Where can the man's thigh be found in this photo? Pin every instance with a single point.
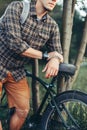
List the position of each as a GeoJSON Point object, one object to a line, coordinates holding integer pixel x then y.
{"type": "Point", "coordinates": [18, 93]}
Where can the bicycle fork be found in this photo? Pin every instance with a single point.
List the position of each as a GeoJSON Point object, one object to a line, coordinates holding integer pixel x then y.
{"type": "Point", "coordinates": [59, 109]}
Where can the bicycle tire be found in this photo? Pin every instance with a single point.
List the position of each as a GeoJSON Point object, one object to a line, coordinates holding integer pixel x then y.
{"type": "Point", "coordinates": [78, 109]}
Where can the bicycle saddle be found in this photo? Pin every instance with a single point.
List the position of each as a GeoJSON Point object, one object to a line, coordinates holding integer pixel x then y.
{"type": "Point", "coordinates": [66, 68]}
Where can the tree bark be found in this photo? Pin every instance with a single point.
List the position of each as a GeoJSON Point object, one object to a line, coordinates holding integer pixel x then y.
{"type": "Point", "coordinates": [35, 86]}
{"type": "Point", "coordinates": [81, 52]}
{"type": "Point", "coordinates": [68, 13]}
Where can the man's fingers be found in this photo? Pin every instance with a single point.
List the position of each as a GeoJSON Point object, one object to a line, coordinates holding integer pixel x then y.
{"type": "Point", "coordinates": [51, 68]}
{"type": "Point", "coordinates": [51, 73]}
{"type": "Point", "coordinates": [45, 68]}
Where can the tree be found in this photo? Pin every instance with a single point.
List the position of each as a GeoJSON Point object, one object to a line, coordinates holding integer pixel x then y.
{"type": "Point", "coordinates": [35, 86]}
{"type": "Point", "coordinates": [68, 16]}
{"type": "Point", "coordinates": [68, 13]}
{"type": "Point", "coordinates": [81, 51]}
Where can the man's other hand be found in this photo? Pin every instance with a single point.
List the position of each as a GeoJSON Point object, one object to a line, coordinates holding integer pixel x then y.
{"type": "Point", "coordinates": [51, 68]}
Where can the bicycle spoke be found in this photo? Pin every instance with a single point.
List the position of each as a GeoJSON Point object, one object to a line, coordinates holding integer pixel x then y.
{"type": "Point", "coordinates": [74, 114]}
{"type": "Point", "coordinates": [69, 113]}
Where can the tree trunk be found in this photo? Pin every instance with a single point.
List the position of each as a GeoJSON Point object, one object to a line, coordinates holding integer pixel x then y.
{"type": "Point", "coordinates": [81, 52]}
{"type": "Point", "coordinates": [35, 86]}
{"type": "Point", "coordinates": [68, 13]}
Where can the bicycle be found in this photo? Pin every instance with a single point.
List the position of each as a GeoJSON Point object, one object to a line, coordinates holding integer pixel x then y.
{"type": "Point", "coordinates": [64, 111]}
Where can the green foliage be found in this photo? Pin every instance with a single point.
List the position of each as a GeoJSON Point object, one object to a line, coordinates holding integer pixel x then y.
{"type": "Point", "coordinates": [79, 112]}
{"type": "Point", "coordinates": [81, 81]}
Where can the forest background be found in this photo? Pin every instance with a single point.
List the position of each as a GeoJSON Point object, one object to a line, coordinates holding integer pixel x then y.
{"type": "Point", "coordinates": [73, 31]}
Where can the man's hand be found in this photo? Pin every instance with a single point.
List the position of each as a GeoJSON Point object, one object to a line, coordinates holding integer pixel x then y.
{"type": "Point", "coordinates": [51, 68]}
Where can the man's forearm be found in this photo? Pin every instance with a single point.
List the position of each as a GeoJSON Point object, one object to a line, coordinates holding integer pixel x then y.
{"type": "Point", "coordinates": [32, 53]}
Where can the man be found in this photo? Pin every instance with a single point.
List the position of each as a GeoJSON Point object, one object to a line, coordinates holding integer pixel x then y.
{"type": "Point", "coordinates": [18, 44]}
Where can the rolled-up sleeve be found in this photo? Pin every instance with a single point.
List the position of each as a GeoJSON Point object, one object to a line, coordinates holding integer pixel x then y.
{"type": "Point", "coordinates": [54, 43]}
{"type": "Point", "coordinates": [12, 25]}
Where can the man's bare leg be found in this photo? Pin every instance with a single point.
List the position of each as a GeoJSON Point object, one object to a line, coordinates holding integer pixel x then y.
{"type": "Point", "coordinates": [0, 126]}
{"type": "Point", "coordinates": [17, 120]}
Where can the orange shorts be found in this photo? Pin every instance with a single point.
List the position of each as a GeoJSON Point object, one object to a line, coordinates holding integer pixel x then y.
{"type": "Point", "coordinates": [18, 93]}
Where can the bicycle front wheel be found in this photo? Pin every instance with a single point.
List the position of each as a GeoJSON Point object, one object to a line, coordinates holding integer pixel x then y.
{"type": "Point", "coordinates": [72, 106]}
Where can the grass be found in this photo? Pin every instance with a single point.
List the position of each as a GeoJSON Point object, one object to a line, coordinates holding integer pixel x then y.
{"type": "Point", "coordinates": [81, 81]}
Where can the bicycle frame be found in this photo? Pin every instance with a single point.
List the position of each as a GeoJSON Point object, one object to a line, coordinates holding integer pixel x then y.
{"type": "Point", "coordinates": [51, 92]}
{"type": "Point", "coordinates": [48, 88]}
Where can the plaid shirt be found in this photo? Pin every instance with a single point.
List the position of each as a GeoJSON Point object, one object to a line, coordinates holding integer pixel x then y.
{"type": "Point", "coordinates": [16, 38]}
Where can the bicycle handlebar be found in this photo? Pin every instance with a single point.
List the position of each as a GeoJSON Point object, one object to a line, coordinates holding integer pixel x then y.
{"type": "Point", "coordinates": [64, 68]}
